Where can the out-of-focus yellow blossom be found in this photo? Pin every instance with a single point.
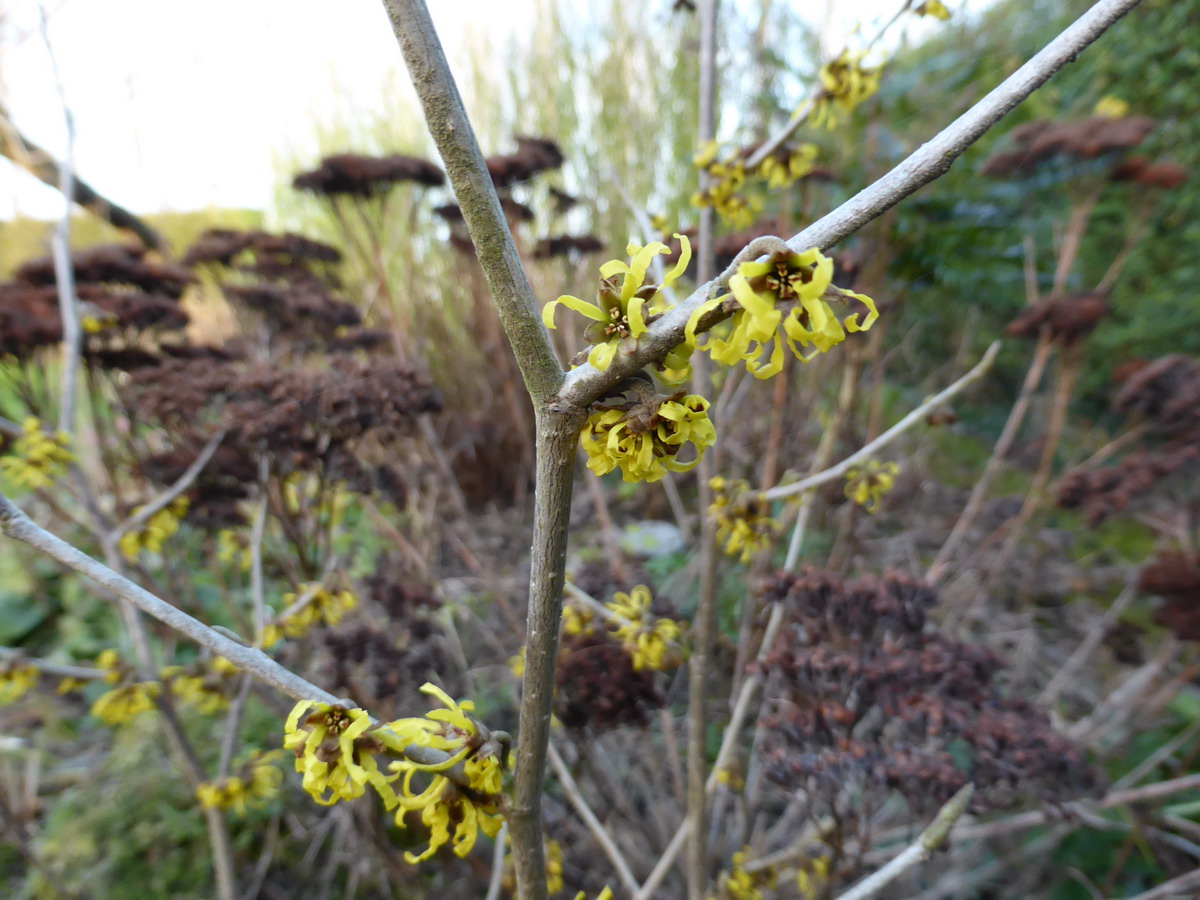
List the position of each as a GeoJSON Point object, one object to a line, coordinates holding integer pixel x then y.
{"type": "Point", "coordinates": [725, 189]}
{"type": "Point", "coordinates": [652, 643]}
{"type": "Point", "coordinates": [304, 492]}
{"type": "Point", "coordinates": [739, 884]}
{"type": "Point", "coordinates": [577, 619]}
{"type": "Point", "coordinates": [788, 164]}
{"type": "Point", "coordinates": [554, 867]}
{"type": "Point", "coordinates": [933, 8]}
{"type": "Point", "coordinates": [732, 778]}
{"type": "Point", "coordinates": [605, 894]}
{"type": "Point", "coordinates": [644, 439]}
{"type": "Point", "coordinates": [335, 749]}
{"type": "Point", "coordinates": [621, 310]}
{"type": "Point", "coordinates": [784, 299]}
{"type": "Point", "coordinates": [130, 698]}
{"type": "Point", "coordinates": [69, 684]}
{"type": "Point", "coordinates": [207, 686]}
{"type": "Point", "coordinates": [17, 678]}
{"type": "Point", "coordinates": [37, 458]}
{"type": "Point", "coordinates": [516, 664]}
{"type": "Point", "coordinates": [743, 518]}
{"type": "Point", "coordinates": [156, 531]}
{"type": "Point", "coordinates": [1112, 108]}
{"type": "Point", "coordinates": [812, 877]}
{"type": "Point", "coordinates": [321, 606]}
{"type": "Point", "coordinates": [444, 805]}
{"type": "Point", "coordinates": [845, 83]}
{"type": "Point", "coordinates": [234, 547]}
{"type": "Point", "coordinates": [869, 483]}
{"type": "Point", "coordinates": [258, 780]}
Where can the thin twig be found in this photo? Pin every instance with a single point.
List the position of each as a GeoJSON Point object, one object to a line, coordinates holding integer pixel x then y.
{"type": "Point", "coordinates": [913, 418]}
{"type": "Point", "coordinates": [607, 844]}
{"type": "Point", "coordinates": [919, 851]}
{"type": "Point", "coordinates": [496, 882]}
{"type": "Point", "coordinates": [585, 383]}
{"type": "Point", "coordinates": [60, 670]}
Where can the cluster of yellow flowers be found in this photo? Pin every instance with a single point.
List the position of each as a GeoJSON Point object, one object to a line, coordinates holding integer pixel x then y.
{"type": "Point", "coordinates": [37, 458]}
{"type": "Point", "coordinates": [1110, 107]}
{"type": "Point", "coordinates": [234, 548]}
{"type": "Point", "coordinates": [652, 643]}
{"type": "Point", "coordinates": [336, 746]}
{"type": "Point", "coordinates": [744, 522]}
{"type": "Point", "coordinates": [724, 193]}
{"type": "Point", "coordinates": [156, 531]}
{"type": "Point", "coordinates": [935, 9]}
{"type": "Point", "coordinates": [309, 606]}
{"type": "Point", "coordinates": [812, 876]}
{"type": "Point", "coordinates": [845, 84]}
{"type": "Point", "coordinates": [129, 698]}
{"type": "Point", "coordinates": [605, 894]}
{"type": "Point", "coordinates": [207, 686]}
{"type": "Point", "coordinates": [644, 438]}
{"type": "Point", "coordinates": [623, 310]}
{"type": "Point", "coordinates": [788, 164]}
{"type": "Point", "coordinates": [784, 299]}
{"type": "Point", "coordinates": [17, 678]}
{"type": "Point", "coordinates": [869, 483]}
{"type": "Point", "coordinates": [738, 884]}
{"type": "Point", "coordinates": [257, 781]}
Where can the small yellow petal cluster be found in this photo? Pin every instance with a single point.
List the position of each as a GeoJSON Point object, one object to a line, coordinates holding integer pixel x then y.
{"type": "Point", "coordinates": [812, 877]}
{"type": "Point", "coordinates": [257, 781]}
{"type": "Point", "coordinates": [625, 304]}
{"type": "Point", "coordinates": [652, 643]}
{"type": "Point", "coordinates": [129, 698]}
{"type": "Point", "coordinates": [935, 9]}
{"type": "Point", "coordinates": [1112, 108]}
{"type": "Point", "coordinates": [335, 749]}
{"type": "Point", "coordinates": [206, 686]}
{"type": "Point", "coordinates": [788, 164]}
{"type": "Point", "coordinates": [781, 300]}
{"type": "Point", "coordinates": [845, 83]}
{"type": "Point", "coordinates": [644, 438]}
{"type": "Point", "coordinates": [739, 884]}
{"type": "Point", "coordinates": [744, 522]}
{"type": "Point", "coordinates": [605, 894]}
{"type": "Point", "coordinates": [309, 606]}
{"type": "Point", "coordinates": [725, 190]}
{"type": "Point", "coordinates": [869, 483]}
{"type": "Point", "coordinates": [37, 458]}
{"type": "Point", "coordinates": [554, 870]}
{"type": "Point", "coordinates": [577, 619]}
{"type": "Point", "coordinates": [233, 548]}
{"type": "Point", "coordinates": [161, 526]}
{"type": "Point", "coordinates": [17, 678]}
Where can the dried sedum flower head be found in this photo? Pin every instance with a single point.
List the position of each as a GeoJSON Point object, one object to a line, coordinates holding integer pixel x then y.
{"type": "Point", "coordinates": [37, 458]}
{"type": "Point", "coordinates": [643, 438]}
{"type": "Point", "coordinates": [869, 483]}
{"type": "Point", "coordinates": [783, 299]}
{"type": "Point", "coordinates": [845, 84]}
{"type": "Point", "coordinates": [257, 781]}
{"type": "Point", "coordinates": [652, 643]}
{"type": "Point", "coordinates": [744, 522]}
{"type": "Point", "coordinates": [623, 309]}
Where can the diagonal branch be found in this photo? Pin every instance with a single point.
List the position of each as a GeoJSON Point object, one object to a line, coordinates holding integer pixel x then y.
{"type": "Point", "coordinates": [456, 143]}
{"type": "Point", "coordinates": [586, 383]}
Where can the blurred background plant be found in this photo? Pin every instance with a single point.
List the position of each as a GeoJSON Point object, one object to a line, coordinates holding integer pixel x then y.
{"type": "Point", "coordinates": [361, 509]}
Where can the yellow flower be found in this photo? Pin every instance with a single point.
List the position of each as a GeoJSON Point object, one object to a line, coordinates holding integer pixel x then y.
{"type": "Point", "coordinates": [69, 684]}
{"type": "Point", "coordinates": [516, 664]}
{"type": "Point", "coordinates": [554, 867]}
{"type": "Point", "coordinates": [1112, 108]}
{"type": "Point", "coordinates": [867, 485]}
{"type": "Point", "coordinates": [743, 519]}
{"type": "Point", "coordinates": [257, 781]}
{"type": "Point", "coordinates": [123, 703]}
{"type": "Point", "coordinates": [800, 283]}
{"type": "Point", "coordinates": [812, 876]}
{"type": "Point", "coordinates": [443, 804]}
{"type": "Point", "coordinates": [605, 894]}
{"type": "Point", "coordinates": [577, 620]}
{"type": "Point", "coordinates": [320, 606]}
{"type": "Point", "coordinates": [652, 643]}
{"type": "Point", "coordinates": [933, 8]}
{"type": "Point", "coordinates": [788, 164]}
{"type": "Point", "coordinates": [335, 749]}
{"type": "Point", "coordinates": [16, 679]}
{"type": "Point", "coordinates": [724, 192]}
{"type": "Point", "coordinates": [845, 83]}
{"type": "Point", "coordinates": [739, 884]}
{"type": "Point", "coordinates": [621, 308]}
{"type": "Point", "coordinates": [37, 458]}
{"type": "Point", "coordinates": [155, 532]}
{"type": "Point", "coordinates": [234, 547]}
{"type": "Point", "coordinates": [644, 438]}
{"type": "Point", "coordinates": [207, 686]}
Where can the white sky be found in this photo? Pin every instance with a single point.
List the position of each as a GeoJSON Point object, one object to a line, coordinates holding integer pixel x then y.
{"type": "Point", "coordinates": [182, 106]}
